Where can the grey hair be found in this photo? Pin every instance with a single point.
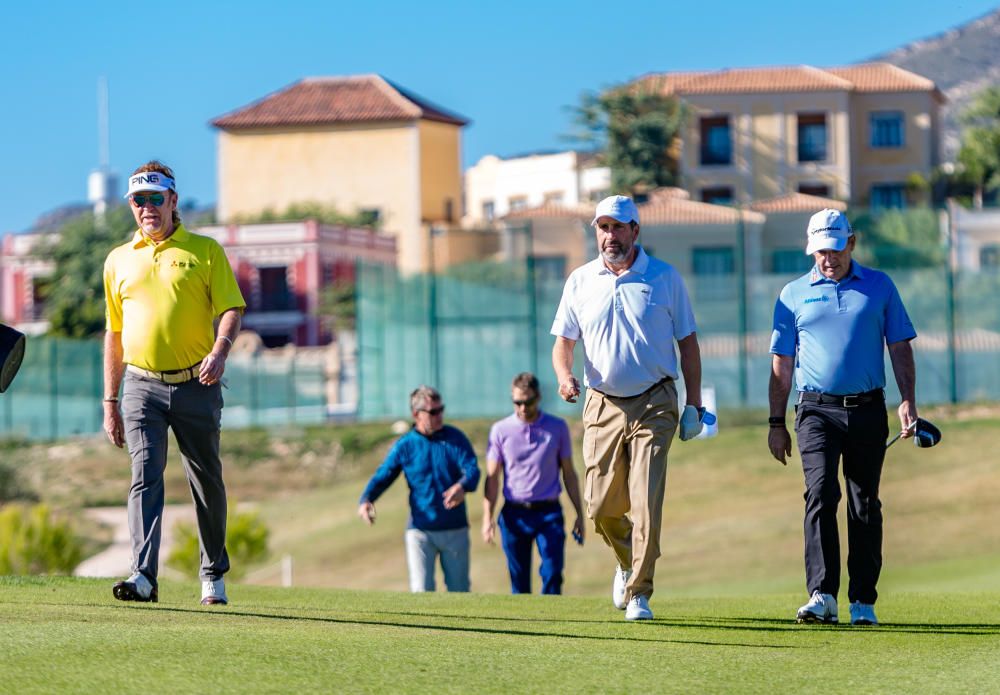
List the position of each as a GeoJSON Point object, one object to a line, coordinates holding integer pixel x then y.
{"type": "Point", "coordinates": [422, 395]}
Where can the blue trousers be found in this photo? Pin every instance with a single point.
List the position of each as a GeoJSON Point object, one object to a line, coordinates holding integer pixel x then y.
{"type": "Point", "coordinates": [519, 529]}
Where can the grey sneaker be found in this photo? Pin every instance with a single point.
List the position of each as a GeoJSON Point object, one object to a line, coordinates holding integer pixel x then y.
{"type": "Point", "coordinates": [618, 587]}
{"type": "Point", "coordinates": [638, 609]}
{"type": "Point", "coordinates": [863, 614]}
{"type": "Point", "coordinates": [136, 588]}
{"type": "Point", "coordinates": [213, 593]}
{"type": "Point", "coordinates": [821, 608]}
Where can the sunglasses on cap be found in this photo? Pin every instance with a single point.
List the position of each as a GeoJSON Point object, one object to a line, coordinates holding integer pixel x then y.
{"type": "Point", "coordinates": [527, 401]}
{"type": "Point", "coordinates": [139, 200]}
{"type": "Point", "coordinates": [432, 411]}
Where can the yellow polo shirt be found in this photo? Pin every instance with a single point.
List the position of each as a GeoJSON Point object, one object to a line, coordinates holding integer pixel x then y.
{"type": "Point", "coordinates": [163, 297]}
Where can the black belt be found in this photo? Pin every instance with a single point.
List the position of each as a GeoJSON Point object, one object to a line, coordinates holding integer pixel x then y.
{"type": "Point", "coordinates": [540, 506]}
{"type": "Point", "coordinates": [851, 400]}
{"type": "Point", "coordinates": [661, 382]}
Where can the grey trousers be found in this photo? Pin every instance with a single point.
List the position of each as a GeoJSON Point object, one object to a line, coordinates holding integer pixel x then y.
{"type": "Point", "coordinates": [194, 412]}
{"type": "Point", "coordinates": [424, 547]}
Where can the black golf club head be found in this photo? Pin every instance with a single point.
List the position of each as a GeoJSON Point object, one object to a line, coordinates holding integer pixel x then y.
{"type": "Point", "coordinates": [926, 435]}
{"type": "Point", "coordinates": [11, 354]}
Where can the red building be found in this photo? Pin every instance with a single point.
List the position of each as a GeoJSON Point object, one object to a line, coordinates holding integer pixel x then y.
{"type": "Point", "coordinates": [282, 269]}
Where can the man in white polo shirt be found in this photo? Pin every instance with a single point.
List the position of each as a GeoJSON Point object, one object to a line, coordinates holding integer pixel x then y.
{"type": "Point", "coordinates": [628, 308]}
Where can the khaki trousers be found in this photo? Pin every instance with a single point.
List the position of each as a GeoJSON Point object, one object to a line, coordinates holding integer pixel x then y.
{"type": "Point", "coordinates": [625, 445]}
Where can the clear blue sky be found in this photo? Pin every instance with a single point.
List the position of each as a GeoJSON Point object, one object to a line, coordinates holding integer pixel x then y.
{"type": "Point", "coordinates": [511, 67]}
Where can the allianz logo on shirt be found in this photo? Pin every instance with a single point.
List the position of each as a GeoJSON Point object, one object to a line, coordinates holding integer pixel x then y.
{"type": "Point", "coordinates": [822, 298]}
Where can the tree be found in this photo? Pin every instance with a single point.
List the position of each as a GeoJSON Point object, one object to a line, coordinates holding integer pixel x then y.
{"type": "Point", "coordinates": [246, 543]}
{"type": "Point", "coordinates": [638, 131]}
{"type": "Point", "coordinates": [338, 305]}
{"type": "Point", "coordinates": [312, 210]}
{"type": "Point", "coordinates": [979, 155]}
{"type": "Point", "coordinates": [74, 293]}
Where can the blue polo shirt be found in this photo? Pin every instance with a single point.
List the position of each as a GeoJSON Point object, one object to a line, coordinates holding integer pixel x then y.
{"type": "Point", "coordinates": [837, 331]}
{"type": "Point", "coordinates": [431, 465]}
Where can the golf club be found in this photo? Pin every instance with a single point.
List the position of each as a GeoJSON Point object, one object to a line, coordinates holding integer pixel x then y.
{"type": "Point", "coordinates": [925, 436]}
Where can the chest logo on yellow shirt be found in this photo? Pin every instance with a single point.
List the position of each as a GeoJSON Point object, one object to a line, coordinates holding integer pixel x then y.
{"type": "Point", "coordinates": [182, 264]}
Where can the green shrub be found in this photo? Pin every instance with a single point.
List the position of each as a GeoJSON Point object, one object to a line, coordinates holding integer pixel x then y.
{"type": "Point", "coordinates": [32, 541]}
{"type": "Point", "coordinates": [246, 541]}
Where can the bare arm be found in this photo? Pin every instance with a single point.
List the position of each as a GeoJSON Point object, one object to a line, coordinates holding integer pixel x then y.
{"type": "Point", "coordinates": [901, 355]}
{"type": "Point", "coordinates": [562, 363]}
{"type": "Point", "coordinates": [114, 366]}
{"type": "Point", "coordinates": [690, 353]}
{"type": "Point", "coordinates": [491, 488]}
{"type": "Point", "coordinates": [779, 441]}
{"type": "Point", "coordinates": [572, 484]}
{"type": "Point", "coordinates": [214, 364]}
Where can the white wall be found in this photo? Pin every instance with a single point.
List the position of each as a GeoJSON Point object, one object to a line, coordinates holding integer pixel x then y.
{"type": "Point", "coordinates": [531, 179]}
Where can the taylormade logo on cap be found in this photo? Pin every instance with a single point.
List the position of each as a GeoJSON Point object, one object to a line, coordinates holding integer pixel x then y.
{"type": "Point", "coordinates": [828, 230]}
{"type": "Point", "coordinates": [619, 207]}
{"type": "Point", "coordinates": [149, 181]}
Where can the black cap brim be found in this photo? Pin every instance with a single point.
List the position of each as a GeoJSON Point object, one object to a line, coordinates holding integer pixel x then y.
{"type": "Point", "coordinates": [11, 354]}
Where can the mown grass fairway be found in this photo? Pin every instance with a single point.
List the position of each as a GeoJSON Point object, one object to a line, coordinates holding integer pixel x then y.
{"type": "Point", "coordinates": [69, 636]}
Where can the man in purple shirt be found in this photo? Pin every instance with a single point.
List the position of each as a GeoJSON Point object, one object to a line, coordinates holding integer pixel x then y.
{"type": "Point", "coordinates": [531, 448]}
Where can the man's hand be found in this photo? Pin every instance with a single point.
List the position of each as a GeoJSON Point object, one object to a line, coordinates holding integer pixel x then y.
{"type": "Point", "coordinates": [366, 510]}
{"type": "Point", "coordinates": [691, 422]}
{"type": "Point", "coordinates": [907, 418]}
{"type": "Point", "coordinates": [578, 532]}
{"type": "Point", "coordinates": [779, 441]}
{"type": "Point", "coordinates": [569, 389]}
{"type": "Point", "coordinates": [212, 368]}
{"type": "Point", "coordinates": [453, 496]}
{"type": "Point", "coordinates": [113, 425]}
{"type": "Point", "coordinates": [489, 530]}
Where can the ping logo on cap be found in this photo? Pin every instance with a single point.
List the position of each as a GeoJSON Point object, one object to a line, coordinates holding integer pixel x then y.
{"type": "Point", "coordinates": [149, 177]}
{"type": "Point", "coordinates": [149, 181]}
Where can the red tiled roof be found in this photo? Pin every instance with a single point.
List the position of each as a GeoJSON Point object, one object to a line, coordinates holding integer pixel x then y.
{"type": "Point", "coordinates": [795, 202]}
{"type": "Point", "coordinates": [671, 211]}
{"type": "Point", "coordinates": [883, 77]}
{"type": "Point", "coordinates": [553, 210]}
{"type": "Point", "coordinates": [327, 100]}
{"type": "Point", "coordinates": [867, 77]}
{"type": "Point", "coordinates": [666, 206]}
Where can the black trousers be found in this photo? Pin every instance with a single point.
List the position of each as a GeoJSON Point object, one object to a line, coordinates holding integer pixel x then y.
{"type": "Point", "coordinates": [827, 434]}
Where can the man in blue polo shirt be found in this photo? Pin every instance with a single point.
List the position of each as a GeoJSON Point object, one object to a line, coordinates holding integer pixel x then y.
{"type": "Point", "coordinates": [531, 448]}
{"type": "Point", "coordinates": [440, 467]}
{"type": "Point", "coordinates": [831, 327]}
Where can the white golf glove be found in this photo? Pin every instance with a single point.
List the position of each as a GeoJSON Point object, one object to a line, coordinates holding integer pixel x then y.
{"type": "Point", "coordinates": [691, 422]}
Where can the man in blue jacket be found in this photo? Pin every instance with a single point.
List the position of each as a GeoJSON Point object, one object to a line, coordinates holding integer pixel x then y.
{"type": "Point", "coordinates": [440, 467]}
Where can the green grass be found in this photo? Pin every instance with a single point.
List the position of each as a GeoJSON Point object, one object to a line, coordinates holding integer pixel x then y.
{"type": "Point", "coordinates": [732, 524]}
{"type": "Point", "coordinates": [70, 636]}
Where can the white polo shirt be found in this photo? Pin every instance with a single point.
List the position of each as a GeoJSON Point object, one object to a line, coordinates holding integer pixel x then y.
{"type": "Point", "coordinates": [628, 323]}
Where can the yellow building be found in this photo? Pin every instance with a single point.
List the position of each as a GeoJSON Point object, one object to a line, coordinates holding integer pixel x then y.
{"type": "Point", "coordinates": [359, 144]}
{"type": "Point", "coordinates": [853, 133]}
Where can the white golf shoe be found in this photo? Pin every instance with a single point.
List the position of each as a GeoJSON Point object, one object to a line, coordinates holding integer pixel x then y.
{"type": "Point", "coordinates": [618, 587]}
{"type": "Point", "coordinates": [638, 609]}
{"type": "Point", "coordinates": [863, 614]}
{"type": "Point", "coordinates": [821, 608]}
{"type": "Point", "coordinates": [213, 593]}
{"type": "Point", "coordinates": [136, 588]}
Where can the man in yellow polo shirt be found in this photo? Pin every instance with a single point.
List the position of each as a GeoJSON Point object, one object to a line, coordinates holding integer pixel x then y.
{"type": "Point", "coordinates": [163, 290]}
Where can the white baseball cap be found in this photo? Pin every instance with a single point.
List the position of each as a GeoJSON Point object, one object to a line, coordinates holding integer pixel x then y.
{"type": "Point", "coordinates": [149, 181]}
{"type": "Point", "coordinates": [619, 207]}
{"type": "Point", "coordinates": [828, 230]}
